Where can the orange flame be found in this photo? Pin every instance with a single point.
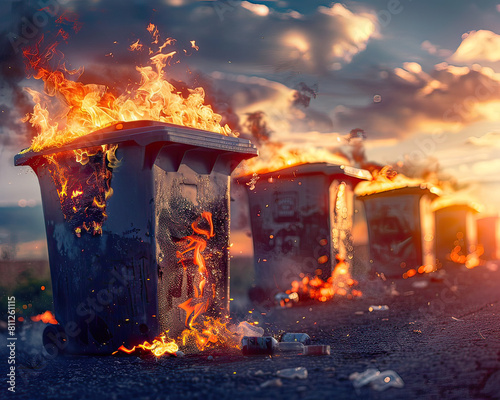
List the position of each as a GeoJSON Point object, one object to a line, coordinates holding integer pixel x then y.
{"type": "Point", "coordinates": [340, 283]}
{"type": "Point", "coordinates": [275, 156]}
{"type": "Point", "coordinates": [160, 346]}
{"type": "Point", "coordinates": [388, 179]}
{"type": "Point", "coordinates": [68, 109]}
{"type": "Point", "coordinates": [197, 245]}
{"type": "Point", "coordinates": [47, 318]}
{"type": "Point", "coordinates": [210, 332]}
{"type": "Point", "coordinates": [136, 46]}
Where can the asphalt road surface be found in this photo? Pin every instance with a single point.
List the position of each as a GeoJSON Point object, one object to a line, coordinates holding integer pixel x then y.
{"type": "Point", "coordinates": [441, 336]}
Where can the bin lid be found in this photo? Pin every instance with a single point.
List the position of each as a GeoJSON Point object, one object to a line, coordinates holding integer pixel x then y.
{"type": "Point", "coordinates": [447, 205]}
{"type": "Point", "coordinates": [144, 133]}
{"type": "Point", "coordinates": [314, 169]}
{"type": "Point", "coordinates": [401, 191]}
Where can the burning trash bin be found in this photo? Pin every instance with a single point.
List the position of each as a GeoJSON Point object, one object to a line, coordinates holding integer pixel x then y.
{"type": "Point", "coordinates": [137, 223]}
{"type": "Point", "coordinates": [301, 219]}
{"type": "Point", "coordinates": [401, 230]}
{"type": "Point", "coordinates": [456, 233]}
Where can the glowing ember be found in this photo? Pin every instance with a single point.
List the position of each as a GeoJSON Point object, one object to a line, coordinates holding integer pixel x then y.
{"type": "Point", "coordinates": [340, 283]}
{"type": "Point", "coordinates": [68, 109]}
{"type": "Point", "coordinates": [47, 318]}
{"type": "Point", "coordinates": [460, 255]}
{"type": "Point", "coordinates": [423, 269]}
{"type": "Point", "coordinates": [388, 179]}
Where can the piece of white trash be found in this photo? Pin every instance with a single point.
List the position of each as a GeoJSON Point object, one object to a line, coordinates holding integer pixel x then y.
{"type": "Point", "coordinates": [293, 373]}
{"type": "Point", "coordinates": [387, 379]}
{"type": "Point", "coordinates": [362, 378]}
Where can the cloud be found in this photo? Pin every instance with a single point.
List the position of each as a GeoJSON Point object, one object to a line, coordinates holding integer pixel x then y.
{"type": "Point", "coordinates": [413, 100]}
{"type": "Point", "coordinates": [482, 45]}
{"type": "Point", "coordinates": [285, 115]}
{"type": "Point", "coordinates": [317, 42]}
{"type": "Point", "coordinates": [258, 9]}
{"type": "Point", "coordinates": [434, 49]}
{"type": "Point", "coordinates": [491, 139]}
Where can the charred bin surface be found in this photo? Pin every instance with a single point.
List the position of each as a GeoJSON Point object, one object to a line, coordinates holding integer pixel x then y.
{"type": "Point", "coordinates": [401, 230]}
{"type": "Point", "coordinates": [118, 212]}
{"type": "Point", "coordinates": [301, 219]}
{"type": "Point", "coordinates": [456, 231]}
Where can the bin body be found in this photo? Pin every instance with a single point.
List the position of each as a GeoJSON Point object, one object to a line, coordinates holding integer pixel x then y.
{"type": "Point", "coordinates": [488, 236]}
{"type": "Point", "coordinates": [123, 286]}
{"type": "Point", "coordinates": [401, 230]}
{"type": "Point", "coordinates": [455, 226]}
{"type": "Point", "coordinates": [301, 219]}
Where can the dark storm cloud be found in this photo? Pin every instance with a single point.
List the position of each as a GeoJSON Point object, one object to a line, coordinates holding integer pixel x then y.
{"type": "Point", "coordinates": [316, 42]}
{"type": "Point", "coordinates": [22, 25]}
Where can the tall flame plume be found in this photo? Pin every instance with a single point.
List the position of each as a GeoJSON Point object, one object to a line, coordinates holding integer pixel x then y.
{"type": "Point", "coordinates": [68, 109]}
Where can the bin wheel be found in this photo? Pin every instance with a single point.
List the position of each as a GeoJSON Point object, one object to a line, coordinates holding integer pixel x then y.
{"type": "Point", "coordinates": [55, 340]}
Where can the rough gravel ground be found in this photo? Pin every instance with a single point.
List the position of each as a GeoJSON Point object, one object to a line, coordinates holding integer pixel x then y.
{"type": "Point", "coordinates": [443, 340]}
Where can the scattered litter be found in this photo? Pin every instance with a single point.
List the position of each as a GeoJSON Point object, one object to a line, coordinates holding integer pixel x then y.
{"type": "Point", "coordinates": [317, 350]}
{"type": "Point", "coordinates": [387, 379]}
{"type": "Point", "coordinates": [456, 319]}
{"type": "Point", "coordinates": [246, 329]}
{"type": "Point", "coordinates": [359, 313]}
{"type": "Point", "coordinates": [291, 347]}
{"type": "Point", "coordinates": [259, 373]}
{"type": "Point", "coordinates": [420, 284]}
{"type": "Point", "coordinates": [251, 345]}
{"type": "Point", "coordinates": [360, 379]}
{"type": "Point", "coordinates": [378, 380]}
{"type": "Point", "coordinates": [272, 383]}
{"type": "Point", "coordinates": [303, 338]}
{"type": "Point", "coordinates": [293, 373]}
{"type": "Point", "coordinates": [286, 300]}
{"type": "Point", "coordinates": [409, 293]}
{"type": "Point", "coordinates": [378, 308]}
{"type": "Point", "coordinates": [179, 353]}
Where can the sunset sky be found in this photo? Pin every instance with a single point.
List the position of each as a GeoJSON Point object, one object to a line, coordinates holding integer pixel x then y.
{"type": "Point", "coordinates": [421, 78]}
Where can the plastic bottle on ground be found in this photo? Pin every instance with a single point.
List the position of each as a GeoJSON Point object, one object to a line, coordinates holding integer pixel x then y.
{"type": "Point", "coordinates": [264, 345]}
{"type": "Point", "coordinates": [317, 350]}
{"type": "Point", "coordinates": [291, 347]}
